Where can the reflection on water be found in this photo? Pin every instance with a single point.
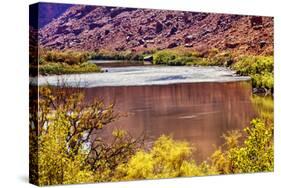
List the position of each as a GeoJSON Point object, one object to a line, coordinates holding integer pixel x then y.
{"type": "Point", "coordinates": [196, 112]}
{"type": "Point", "coordinates": [264, 106]}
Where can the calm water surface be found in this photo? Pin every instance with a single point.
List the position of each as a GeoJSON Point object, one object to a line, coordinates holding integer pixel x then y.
{"type": "Point", "coordinates": [196, 112]}
{"type": "Point", "coordinates": [195, 104]}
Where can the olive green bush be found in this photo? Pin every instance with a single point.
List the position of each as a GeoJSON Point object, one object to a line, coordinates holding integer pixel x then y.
{"type": "Point", "coordinates": [259, 68]}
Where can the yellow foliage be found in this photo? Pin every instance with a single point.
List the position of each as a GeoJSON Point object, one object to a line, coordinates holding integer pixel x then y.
{"type": "Point", "coordinates": [57, 162]}
{"type": "Point", "coordinates": [166, 159]}
{"type": "Point", "coordinates": [255, 154]}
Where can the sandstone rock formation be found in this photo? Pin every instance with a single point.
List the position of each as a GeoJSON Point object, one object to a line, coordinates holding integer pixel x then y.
{"type": "Point", "coordinates": [117, 29]}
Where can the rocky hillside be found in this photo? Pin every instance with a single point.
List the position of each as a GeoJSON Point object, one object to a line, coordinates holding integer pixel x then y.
{"type": "Point", "coordinates": [46, 12]}
{"type": "Point", "coordinates": [119, 29]}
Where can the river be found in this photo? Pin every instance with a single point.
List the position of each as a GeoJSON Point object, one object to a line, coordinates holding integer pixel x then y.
{"type": "Point", "coordinates": [195, 104]}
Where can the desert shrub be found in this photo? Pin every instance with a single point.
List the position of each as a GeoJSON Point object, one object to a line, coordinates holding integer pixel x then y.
{"type": "Point", "coordinates": [183, 57]}
{"type": "Point", "coordinates": [250, 65]}
{"type": "Point", "coordinates": [220, 59]}
{"type": "Point", "coordinates": [57, 161]}
{"type": "Point", "coordinates": [213, 52]}
{"type": "Point", "coordinates": [259, 68]}
{"type": "Point", "coordinates": [68, 57]}
{"type": "Point", "coordinates": [164, 57]}
{"type": "Point", "coordinates": [219, 159]}
{"type": "Point", "coordinates": [64, 62]}
{"type": "Point", "coordinates": [167, 158]}
{"type": "Point", "coordinates": [173, 57]}
{"type": "Point", "coordinates": [255, 154]}
{"type": "Point", "coordinates": [62, 68]}
{"type": "Point", "coordinates": [264, 80]}
{"type": "Point", "coordinates": [108, 55]}
{"type": "Point", "coordinates": [220, 162]}
{"type": "Point", "coordinates": [66, 144]}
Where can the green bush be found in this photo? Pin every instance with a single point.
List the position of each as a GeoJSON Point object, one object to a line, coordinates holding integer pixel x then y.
{"type": "Point", "coordinates": [64, 62]}
{"type": "Point", "coordinates": [250, 65]}
{"type": "Point", "coordinates": [183, 57]}
{"type": "Point", "coordinates": [172, 57]}
{"type": "Point", "coordinates": [63, 68]}
{"type": "Point", "coordinates": [220, 59]}
{"type": "Point", "coordinates": [264, 80]}
{"type": "Point", "coordinates": [164, 57]}
{"type": "Point", "coordinates": [68, 57]}
{"type": "Point", "coordinates": [259, 68]}
{"type": "Point", "coordinates": [107, 55]}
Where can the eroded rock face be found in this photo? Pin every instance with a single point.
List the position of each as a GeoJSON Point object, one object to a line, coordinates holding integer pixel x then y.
{"type": "Point", "coordinates": [256, 21]}
{"type": "Point", "coordinates": [188, 45]}
{"type": "Point", "coordinates": [47, 12]}
{"type": "Point", "coordinates": [231, 44]}
{"type": "Point", "coordinates": [173, 31]}
{"type": "Point", "coordinates": [117, 29]}
{"type": "Point", "coordinates": [172, 45]}
{"type": "Point", "coordinates": [158, 27]}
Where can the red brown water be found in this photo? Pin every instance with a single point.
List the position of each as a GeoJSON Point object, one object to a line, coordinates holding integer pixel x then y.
{"type": "Point", "coordinates": [199, 113]}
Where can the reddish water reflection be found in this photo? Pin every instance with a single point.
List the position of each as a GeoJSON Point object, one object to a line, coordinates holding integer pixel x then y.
{"type": "Point", "coordinates": [196, 112]}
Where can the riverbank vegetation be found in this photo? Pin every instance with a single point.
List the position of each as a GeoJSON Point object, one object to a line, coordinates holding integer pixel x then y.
{"type": "Point", "coordinates": [66, 147]}
{"type": "Point", "coordinates": [64, 68]}
{"type": "Point", "coordinates": [54, 62]}
{"type": "Point", "coordinates": [65, 62]}
{"type": "Point", "coordinates": [184, 57]}
{"type": "Point", "coordinates": [259, 68]}
{"type": "Point", "coordinates": [122, 55]}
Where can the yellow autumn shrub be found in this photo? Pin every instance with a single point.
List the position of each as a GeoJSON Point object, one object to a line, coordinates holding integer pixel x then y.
{"type": "Point", "coordinates": [166, 159]}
